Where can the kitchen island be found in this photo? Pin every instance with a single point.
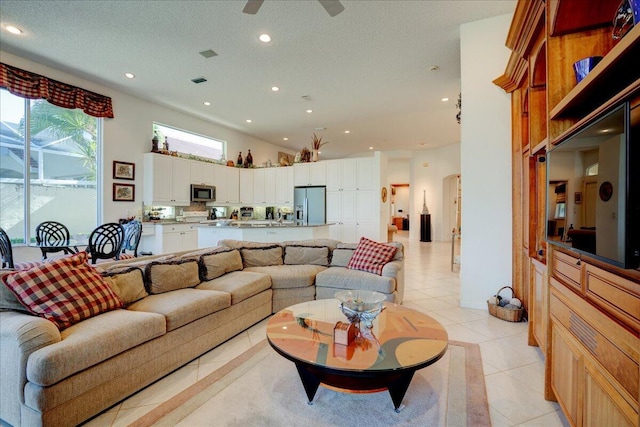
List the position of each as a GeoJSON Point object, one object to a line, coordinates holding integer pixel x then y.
{"type": "Point", "coordinates": [264, 232]}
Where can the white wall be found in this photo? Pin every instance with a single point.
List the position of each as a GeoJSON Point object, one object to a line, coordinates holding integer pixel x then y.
{"type": "Point", "coordinates": [442, 162]}
{"type": "Point", "coordinates": [486, 254]}
{"type": "Point", "coordinates": [128, 136]}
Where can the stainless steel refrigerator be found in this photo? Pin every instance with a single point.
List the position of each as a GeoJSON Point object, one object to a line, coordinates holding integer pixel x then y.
{"type": "Point", "coordinates": [310, 205]}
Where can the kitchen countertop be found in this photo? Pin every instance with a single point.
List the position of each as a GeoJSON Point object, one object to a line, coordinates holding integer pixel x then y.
{"type": "Point", "coordinates": [260, 224]}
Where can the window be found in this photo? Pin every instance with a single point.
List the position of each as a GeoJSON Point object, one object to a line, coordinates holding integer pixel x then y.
{"type": "Point", "coordinates": [560, 210]}
{"type": "Point", "coordinates": [592, 170]}
{"type": "Point", "coordinates": [193, 145]}
{"type": "Point", "coordinates": [53, 176]}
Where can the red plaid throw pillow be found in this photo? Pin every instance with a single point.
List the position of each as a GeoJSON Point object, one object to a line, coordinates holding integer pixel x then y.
{"type": "Point", "coordinates": [371, 256]}
{"type": "Point", "coordinates": [64, 291]}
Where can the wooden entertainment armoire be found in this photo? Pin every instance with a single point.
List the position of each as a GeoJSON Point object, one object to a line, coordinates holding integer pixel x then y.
{"type": "Point", "coordinates": [584, 314]}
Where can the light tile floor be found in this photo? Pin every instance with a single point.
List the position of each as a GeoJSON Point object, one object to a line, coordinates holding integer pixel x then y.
{"type": "Point", "coordinates": [514, 372]}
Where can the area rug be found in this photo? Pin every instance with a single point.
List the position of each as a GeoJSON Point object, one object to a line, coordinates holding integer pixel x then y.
{"type": "Point", "coordinates": [261, 388]}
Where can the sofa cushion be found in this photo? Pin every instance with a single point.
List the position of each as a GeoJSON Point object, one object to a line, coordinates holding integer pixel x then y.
{"type": "Point", "coordinates": [340, 257]}
{"type": "Point", "coordinates": [240, 284]}
{"type": "Point", "coordinates": [371, 256]}
{"type": "Point", "coordinates": [183, 305]}
{"type": "Point", "coordinates": [165, 276]}
{"type": "Point", "coordinates": [8, 300]}
{"type": "Point", "coordinates": [128, 284]}
{"type": "Point", "coordinates": [289, 276]}
{"type": "Point", "coordinates": [344, 278]}
{"type": "Point", "coordinates": [259, 257]}
{"type": "Point", "coordinates": [92, 341]}
{"type": "Point", "coordinates": [330, 243]}
{"type": "Point", "coordinates": [64, 291]}
{"type": "Point", "coordinates": [142, 262]}
{"type": "Point", "coordinates": [295, 255]}
{"type": "Point", "coordinates": [239, 244]}
{"type": "Point", "coordinates": [200, 252]}
{"type": "Point", "coordinates": [216, 264]}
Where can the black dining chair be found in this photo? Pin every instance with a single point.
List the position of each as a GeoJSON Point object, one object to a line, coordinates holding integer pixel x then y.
{"type": "Point", "coordinates": [6, 252]}
{"type": "Point", "coordinates": [54, 234]}
{"type": "Point", "coordinates": [132, 234]}
{"type": "Point", "coordinates": [105, 242]}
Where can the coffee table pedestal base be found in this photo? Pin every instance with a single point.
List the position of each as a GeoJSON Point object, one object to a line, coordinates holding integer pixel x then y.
{"type": "Point", "coordinates": [396, 383]}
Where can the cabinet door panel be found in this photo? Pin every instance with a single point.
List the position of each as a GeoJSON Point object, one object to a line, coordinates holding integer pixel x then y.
{"type": "Point", "coordinates": [349, 232]}
{"type": "Point", "coordinates": [181, 181]}
{"type": "Point", "coordinates": [540, 312]}
{"type": "Point", "coordinates": [317, 173]}
{"type": "Point", "coordinates": [233, 185]}
{"type": "Point", "coordinates": [602, 404]}
{"type": "Point", "coordinates": [565, 368]}
{"type": "Point", "coordinates": [365, 174]}
{"type": "Point", "coordinates": [334, 206]}
{"type": "Point", "coordinates": [365, 208]}
{"type": "Point", "coordinates": [301, 174]}
{"type": "Point", "coordinates": [333, 172]}
{"type": "Point", "coordinates": [246, 186]}
{"type": "Point", "coordinates": [162, 179]}
{"type": "Point", "coordinates": [259, 195]}
{"type": "Point", "coordinates": [284, 185]}
{"type": "Point", "coordinates": [269, 185]}
{"type": "Point", "coordinates": [349, 174]}
{"type": "Point", "coordinates": [348, 202]}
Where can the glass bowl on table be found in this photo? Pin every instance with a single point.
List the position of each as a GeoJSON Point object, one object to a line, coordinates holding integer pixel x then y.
{"type": "Point", "coordinates": [361, 307]}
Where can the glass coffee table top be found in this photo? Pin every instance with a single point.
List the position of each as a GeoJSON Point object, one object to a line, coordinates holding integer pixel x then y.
{"type": "Point", "coordinates": [386, 356]}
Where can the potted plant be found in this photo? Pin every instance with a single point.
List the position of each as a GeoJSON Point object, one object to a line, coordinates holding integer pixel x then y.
{"type": "Point", "coordinates": [317, 144]}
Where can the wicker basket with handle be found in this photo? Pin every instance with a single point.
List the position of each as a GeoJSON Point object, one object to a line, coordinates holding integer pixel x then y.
{"type": "Point", "coordinates": [508, 314]}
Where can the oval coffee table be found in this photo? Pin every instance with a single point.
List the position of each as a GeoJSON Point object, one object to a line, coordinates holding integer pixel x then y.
{"type": "Point", "coordinates": [401, 341]}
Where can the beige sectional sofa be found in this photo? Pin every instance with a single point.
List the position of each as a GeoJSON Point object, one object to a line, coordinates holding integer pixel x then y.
{"type": "Point", "coordinates": [177, 307]}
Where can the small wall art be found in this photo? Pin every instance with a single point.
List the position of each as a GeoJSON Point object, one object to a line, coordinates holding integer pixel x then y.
{"type": "Point", "coordinates": [124, 170]}
{"type": "Point", "coordinates": [577, 198]}
{"type": "Point", "coordinates": [124, 192]}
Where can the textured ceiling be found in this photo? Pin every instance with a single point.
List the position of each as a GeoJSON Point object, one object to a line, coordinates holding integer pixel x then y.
{"type": "Point", "coordinates": [366, 70]}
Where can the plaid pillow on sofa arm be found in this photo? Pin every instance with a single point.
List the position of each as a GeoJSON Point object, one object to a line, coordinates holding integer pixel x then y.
{"type": "Point", "coordinates": [371, 256]}
{"type": "Point", "coordinates": [64, 291]}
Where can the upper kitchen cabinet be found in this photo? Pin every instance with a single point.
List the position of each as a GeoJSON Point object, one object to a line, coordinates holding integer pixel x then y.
{"type": "Point", "coordinates": [284, 186]}
{"type": "Point", "coordinates": [167, 180]}
{"type": "Point", "coordinates": [202, 173]}
{"type": "Point", "coordinates": [264, 186]}
{"type": "Point", "coordinates": [246, 186]}
{"type": "Point", "coordinates": [309, 174]}
{"type": "Point", "coordinates": [365, 171]}
{"type": "Point", "coordinates": [227, 182]}
{"type": "Point", "coordinates": [341, 174]}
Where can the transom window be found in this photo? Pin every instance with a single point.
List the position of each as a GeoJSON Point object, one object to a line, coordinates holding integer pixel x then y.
{"type": "Point", "coordinates": [189, 143]}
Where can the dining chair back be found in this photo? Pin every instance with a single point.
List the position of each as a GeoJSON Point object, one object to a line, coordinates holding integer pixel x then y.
{"type": "Point", "coordinates": [6, 252]}
{"type": "Point", "coordinates": [52, 232]}
{"type": "Point", "coordinates": [105, 242]}
{"type": "Point", "coordinates": [132, 234]}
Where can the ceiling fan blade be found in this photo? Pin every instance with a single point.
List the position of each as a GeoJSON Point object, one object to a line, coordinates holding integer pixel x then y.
{"type": "Point", "coordinates": [333, 7]}
{"type": "Point", "coordinates": [252, 6]}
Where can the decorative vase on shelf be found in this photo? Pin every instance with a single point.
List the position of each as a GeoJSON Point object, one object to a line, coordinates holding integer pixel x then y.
{"type": "Point", "coordinates": [314, 155]}
{"type": "Point", "coordinates": [425, 209]}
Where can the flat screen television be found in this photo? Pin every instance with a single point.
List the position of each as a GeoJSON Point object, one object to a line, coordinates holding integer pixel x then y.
{"type": "Point", "coordinates": [593, 188]}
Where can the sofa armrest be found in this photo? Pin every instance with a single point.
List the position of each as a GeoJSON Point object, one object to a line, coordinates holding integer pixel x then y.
{"type": "Point", "coordinates": [20, 335]}
{"type": "Point", "coordinates": [395, 269]}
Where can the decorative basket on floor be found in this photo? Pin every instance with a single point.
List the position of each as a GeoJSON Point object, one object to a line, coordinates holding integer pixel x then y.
{"type": "Point", "coordinates": [504, 313]}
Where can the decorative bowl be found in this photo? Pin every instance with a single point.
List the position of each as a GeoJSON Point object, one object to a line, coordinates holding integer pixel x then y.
{"type": "Point", "coordinates": [361, 306]}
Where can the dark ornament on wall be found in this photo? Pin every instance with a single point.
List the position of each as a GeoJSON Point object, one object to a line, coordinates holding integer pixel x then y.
{"type": "Point", "coordinates": [459, 107]}
{"type": "Point", "coordinates": [606, 191]}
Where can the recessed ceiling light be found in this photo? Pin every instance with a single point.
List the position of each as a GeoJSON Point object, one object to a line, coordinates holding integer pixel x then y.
{"type": "Point", "coordinates": [248, 120]}
{"type": "Point", "coordinates": [207, 103]}
{"type": "Point", "coordinates": [285, 139]}
{"type": "Point", "coordinates": [264, 38]}
{"type": "Point", "coordinates": [347, 131]}
{"type": "Point", "coordinates": [275, 88]}
{"type": "Point", "coordinates": [370, 148]}
{"type": "Point", "coordinates": [129, 75]}
{"type": "Point", "coordinates": [434, 68]}
{"type": "Point", "coordinates": [445, 99]}
{"type": "Point", "coordinates": [13, 30]}
{"type": "Point", "coordinates": [309, 111]}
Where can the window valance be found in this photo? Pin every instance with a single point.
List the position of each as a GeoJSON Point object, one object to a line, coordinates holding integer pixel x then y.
{"type": "Point", "coordinates": [34, 86]}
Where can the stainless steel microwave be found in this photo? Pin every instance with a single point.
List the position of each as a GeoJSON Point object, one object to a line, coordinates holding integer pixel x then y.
{"type": "Point", "coordinates": [203, 193]}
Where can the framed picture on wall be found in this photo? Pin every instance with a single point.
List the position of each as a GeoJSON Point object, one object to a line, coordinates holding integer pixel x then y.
{"type": "Point", "coordinates": [124, 170]}
{"type": "Point", "coordinates": [577, 198]}
{"type": "Point", "coordinates": [124, 192]}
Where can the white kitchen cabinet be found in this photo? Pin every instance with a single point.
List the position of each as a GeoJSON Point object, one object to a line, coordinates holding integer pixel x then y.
{"type": "Point", "coordinates": [202, 173]}
{"type": "Point", "coordinates": [175, 237]}
{"type": "Point", "coordinates": [365, 173]}
{"type": "Point", "coordinates": [309, 174]}
{"type": "Point", "coordinates": [246, 186]}
{"type": "Point", "coordinates": [167, 180]}
{"type": "Point", "coordinates": [341, 174]}
{"type": "Point", "coordinates": [284, 185]}
{"type": "Point", "coordinates": [264, 186]}
{"type": "Point", "coordinates": [227, 182]}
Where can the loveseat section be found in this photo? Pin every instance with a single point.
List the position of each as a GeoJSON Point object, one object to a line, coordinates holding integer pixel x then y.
{"type": "Point", "coordinates": [335, 279]}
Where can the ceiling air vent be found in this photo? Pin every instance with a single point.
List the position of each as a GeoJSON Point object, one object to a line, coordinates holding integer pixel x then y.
{"type": "Point", "coordinates": [198, 80]}
{"type": "Point", "coordinates": [208, 53]}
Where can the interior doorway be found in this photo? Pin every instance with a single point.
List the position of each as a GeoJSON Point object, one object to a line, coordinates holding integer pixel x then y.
{"type": "Point", "coordinates": [400, 198]}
